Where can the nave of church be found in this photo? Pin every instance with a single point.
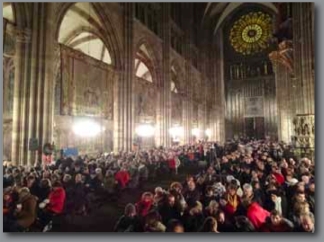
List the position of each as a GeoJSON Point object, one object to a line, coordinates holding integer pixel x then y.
{"type": "Point", "coordinates": [216, 99]}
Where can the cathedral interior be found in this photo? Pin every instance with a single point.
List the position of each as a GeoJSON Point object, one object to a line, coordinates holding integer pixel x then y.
{"type": "Point", "coordinates": [203, 70]}
{"type": "Point", "coordinates": [117, 79]}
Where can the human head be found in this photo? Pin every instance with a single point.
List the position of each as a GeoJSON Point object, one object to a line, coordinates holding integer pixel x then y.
{"type": "Point", "coordinates": [78, 178]}
{"type": "Point", "coordinates": [67, 178]}
{"type": "Point", "coordinates": [130, 210]}
{"type": "Point", "coordinates": [171, 200]}
{"type": "Point", "coordinates": [175, 226]}
{"type": "Point", "coordinates": [210, 225]}
{"type": "Point", "coordinates": [275, 217]}
{"type": "Point", "coordinates": [220, 216]}
{"type": "Point", "coordinates": [308, 222]}
{"type": "Point", "coordinates": [45, 183]}
{"type": "Point", "coordinates": [247, 190]}
{"type": "Point", "coordinates": [232, 189]}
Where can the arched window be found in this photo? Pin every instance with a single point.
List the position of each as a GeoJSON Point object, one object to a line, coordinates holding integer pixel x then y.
{"type": "Point", "coordinates": [7, 12]}
{"type": "Point", "coordinates": [174, 80]}
{"type": "Point", "coordinates": [80, 29]}
{"type": "Point", "coordinates": [141, 69]}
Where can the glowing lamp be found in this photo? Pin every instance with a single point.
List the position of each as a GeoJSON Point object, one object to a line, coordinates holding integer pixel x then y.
{"type": "Point", "coordinates": [195, 132]}
{"type": "Point", "coordinates": [87, 128]}
{"type": "Point", "coordinates": [208, 132]}
{"type": "Point", "coordinates": [176, 131]}
{"type": "Point", "coordinates": [145, 130]}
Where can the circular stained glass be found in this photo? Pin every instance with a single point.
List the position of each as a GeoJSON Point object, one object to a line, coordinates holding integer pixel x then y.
{"type": "Point", "coordinates": [250, 34]}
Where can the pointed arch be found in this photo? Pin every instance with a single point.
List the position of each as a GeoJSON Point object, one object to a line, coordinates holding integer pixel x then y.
{"type": "Point", "coordinates": [99, 24]}
{"type": "Point", "coordinates": [146, 54]}
{"type": "Point", "coordinates": [177, 77]}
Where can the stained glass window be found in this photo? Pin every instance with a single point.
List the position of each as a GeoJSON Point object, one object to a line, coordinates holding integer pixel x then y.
{"type": "Point", "coordinates": [250, 34]}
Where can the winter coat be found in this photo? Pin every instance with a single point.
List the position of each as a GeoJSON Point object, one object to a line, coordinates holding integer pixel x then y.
{"type": "Point", "coordinates": [27, 216]}
{"type": "Point", "coordinates": [57, 200]}
{"type": "Point", "coordinates": [257, 215]}
{"type": "Point", "coordinates": [123, 178]}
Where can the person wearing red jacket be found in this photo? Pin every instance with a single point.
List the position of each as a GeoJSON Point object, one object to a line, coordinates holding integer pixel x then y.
{"type": "Point", "coordinates": [145, 204]}
{"type": "Point", "coordinates": [56, 199]}
{"type": "Point", "coordinates": [256, 214]}
{"type": "Point", "coordinates": [172, 164]}
{"type": "Point", "coordinates": [122, 177]}
{"type": "Point", "coordinates": [54, 205]}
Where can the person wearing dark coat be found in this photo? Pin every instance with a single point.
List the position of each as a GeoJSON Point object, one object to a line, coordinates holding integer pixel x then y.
{"type": "Point", "coordinates": [192, 195]}
{"type": "Point", "coordinates": [128, 222]}
{"type": "Point", "coordinates": [169, 210]}
{"type": "Point", "coordinates": [193, 218]}
{"type": "Point", "coordinates": [25, 213]}
{"type": "Point", "coordinates": [224, 225]}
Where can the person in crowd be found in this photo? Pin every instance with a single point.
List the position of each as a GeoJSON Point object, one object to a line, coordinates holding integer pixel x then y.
{"type": "Point", "coordinates": [277, 223]}
{"type": "Point", "coordinates": [175, 226]}
{"type": "Point", "coordinates": [153, 222]}
{"type": "Point", "coordinates": [193, 217]}
{"type": "Point", "coordinates": [209, 226]}
{"type": "Point", "coordinates": [307, 223]}
{"type": "Point", "coordinates": [169, 209]}
{"type": "Point", "coordinates": [145, 204]}
{"type": "Point", "coordinates": [128, 222]}
{"type": "Point", "coordinates": [270, 182]}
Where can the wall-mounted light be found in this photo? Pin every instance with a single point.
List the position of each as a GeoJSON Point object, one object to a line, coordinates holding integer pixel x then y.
{"type": "Point", "coordinates": [195, 132]}
{"type": "Point", "coordinates": [176, 131]}
{"type": "Point", "coordinates": [208, 132]}
{"type": "Point", "coordinates": [87, 128]}
{"type": "Point", "coordinates": [145, 130]}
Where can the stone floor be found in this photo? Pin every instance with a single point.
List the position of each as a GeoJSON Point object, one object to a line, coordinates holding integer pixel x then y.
{"type": "Point", "coordinates": [103, 218]}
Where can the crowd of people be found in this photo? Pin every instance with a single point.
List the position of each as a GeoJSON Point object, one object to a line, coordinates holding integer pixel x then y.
{"type": "Point", "coordinates": [250, 186]}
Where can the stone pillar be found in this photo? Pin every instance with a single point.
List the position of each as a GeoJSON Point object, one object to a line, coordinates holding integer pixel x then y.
{"type": "Point", "coordinates": [285, 89]}
{"type": "Point", "coordinates": [123, 118]}
{"type": "Point", "coordinates": [303, 43]}
{"type": "Point", "coordinates": [165, 101]}
{"type": "Point", "coordinates": [20, 123]}
{"type": "Point", "coordinates": [218, 75]}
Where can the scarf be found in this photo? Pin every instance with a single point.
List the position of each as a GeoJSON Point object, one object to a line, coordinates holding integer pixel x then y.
{"type": "Point", "coordinates": [232, 200]}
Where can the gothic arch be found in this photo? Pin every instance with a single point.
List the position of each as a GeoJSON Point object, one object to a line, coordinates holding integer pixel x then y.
{"type": "Point", "coordinates": [109, 37]}
{"type": "Point", "coordinates": [178, 71]}
{"type": "Point", "coordinates": [150, 58]}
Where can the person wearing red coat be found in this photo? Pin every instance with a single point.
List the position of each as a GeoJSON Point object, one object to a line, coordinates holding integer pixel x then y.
{"type": "Point", "coordinates": [56, 199]}
{"type": "Point", "coordinates": [145, 204]}
{"type": "Point", "coordinates": [257, 215]}
{"type": "Point", "coordinates": [122, 177]}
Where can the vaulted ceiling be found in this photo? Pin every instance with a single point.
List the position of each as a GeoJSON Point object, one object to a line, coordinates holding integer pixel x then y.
{"type": "Point", "coordinates": [80, 29]}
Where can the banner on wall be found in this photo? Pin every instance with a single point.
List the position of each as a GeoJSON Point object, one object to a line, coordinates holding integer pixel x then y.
{"type": "Point", "coordinates": [254, 107]}
{"type": "Point", "coordinates": [68, 152]}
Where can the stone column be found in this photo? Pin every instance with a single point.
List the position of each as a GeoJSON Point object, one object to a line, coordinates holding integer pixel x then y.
{"type": "Point", "coordinates": [166, 77]}
{"type": "Point", "coordinates": [123, 118]}
{"type": "Point", "coordinates": [303, 43]}
{"type": "Point", "coordinates": [20, 123]}
{"type": "Point", "coordinates": [218, 74]}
